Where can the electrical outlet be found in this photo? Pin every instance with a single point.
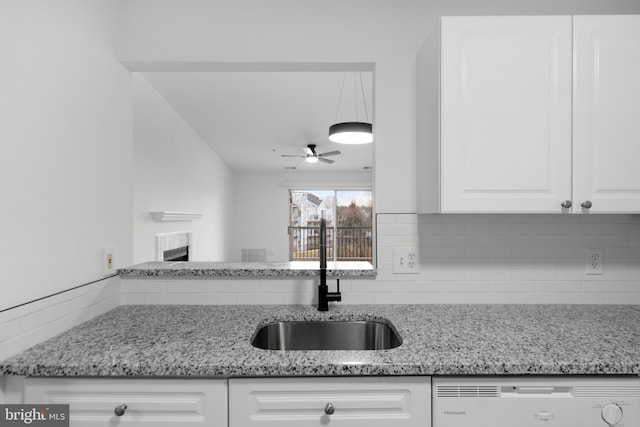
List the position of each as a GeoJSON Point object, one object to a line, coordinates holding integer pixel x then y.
{"type": "Point", "coordinates": [406, 260]}
{"type": "Point", "coordinates": [594, 261]}
{"type": "Point", "coordinates": [108, 265]}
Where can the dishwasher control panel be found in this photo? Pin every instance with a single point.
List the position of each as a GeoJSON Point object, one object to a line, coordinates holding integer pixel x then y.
{"type": "Point", "coordinates": [545, 401]}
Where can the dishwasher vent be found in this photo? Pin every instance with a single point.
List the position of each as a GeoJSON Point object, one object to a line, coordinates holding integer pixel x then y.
{"type": "Point", "coordinates": [606, 392]}
{"type": "Point", "coordinates": [466, 391]}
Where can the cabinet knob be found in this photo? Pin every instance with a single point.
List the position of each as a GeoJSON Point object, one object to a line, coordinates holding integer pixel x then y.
{"type": "Point", "coordinates": [329, 408]}
{"type": "Point", "coordinates": [566, 204]}
{"type": "Point", "coordinates": [587, 204]}
{"type": "Point", "coordinates": [120, 409]}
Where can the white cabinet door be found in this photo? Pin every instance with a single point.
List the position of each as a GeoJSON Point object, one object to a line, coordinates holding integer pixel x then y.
{"type": "Point", "coordinates": [505, 113]}
{"type": "Point", "coordinates": [606, 118]}
{"type": "Point", "coordinates": [149, 402]}
{"type": "Point", "coordinates": [319, 402]}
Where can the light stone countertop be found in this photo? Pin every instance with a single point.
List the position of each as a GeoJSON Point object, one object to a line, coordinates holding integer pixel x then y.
{"type": "Point", "coordinates": [214, 341]}
{"type": "Point", "coordinates": [351, 269]}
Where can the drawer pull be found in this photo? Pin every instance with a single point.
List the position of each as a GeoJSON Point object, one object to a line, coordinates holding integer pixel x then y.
{"type": "Point", "coordinates": [566, 204]}
{"type": "Point", "coordinates": [120, 409]}
{"type": "Point", "coordinates": [586, 204]}
{"type": "Point", "coordinates": [329, 408]}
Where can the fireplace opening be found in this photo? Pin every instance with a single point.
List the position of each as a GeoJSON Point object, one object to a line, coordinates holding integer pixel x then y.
{"type": "Point", "coordinates": [177, 254]}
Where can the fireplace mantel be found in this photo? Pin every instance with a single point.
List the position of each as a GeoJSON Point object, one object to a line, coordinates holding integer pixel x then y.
{"type": "Point", "coordinates": [161, 216]}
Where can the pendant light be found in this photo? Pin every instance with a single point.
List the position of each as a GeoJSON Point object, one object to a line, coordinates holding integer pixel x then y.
{"type": "Point", "coordinates": [355, 132]}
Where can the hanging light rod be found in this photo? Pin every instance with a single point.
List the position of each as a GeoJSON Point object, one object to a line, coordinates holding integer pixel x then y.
{"type": "Point", "coordinates": [354, 132]}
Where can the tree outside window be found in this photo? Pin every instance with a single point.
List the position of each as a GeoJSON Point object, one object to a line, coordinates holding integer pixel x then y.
{"type": "Point", "coordinates": [348, 214]}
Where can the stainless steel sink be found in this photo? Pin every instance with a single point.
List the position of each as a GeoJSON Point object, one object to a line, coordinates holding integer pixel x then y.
{"type": "Point", "coordinates": [326, 335]}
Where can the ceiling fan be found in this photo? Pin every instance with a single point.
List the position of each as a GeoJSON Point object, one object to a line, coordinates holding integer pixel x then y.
{"type": "Point", "coordinates": [312, 157]}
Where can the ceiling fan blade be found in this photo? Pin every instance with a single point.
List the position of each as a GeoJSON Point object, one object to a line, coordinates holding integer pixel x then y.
{"type": "Point", "coordinates": [330, 153]}
{"type": "Point", "coordinates": [308, 151]}
{"type": "Point", "coordinates": [292, 155]}
{"type": "Point", "coordinates": [322, 159]}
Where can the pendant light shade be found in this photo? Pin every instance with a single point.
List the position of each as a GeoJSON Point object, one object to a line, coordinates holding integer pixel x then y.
{"type": "Point", "coordinates": [354, 132]}
{"type": "Point", "coordinates": [351, 133]}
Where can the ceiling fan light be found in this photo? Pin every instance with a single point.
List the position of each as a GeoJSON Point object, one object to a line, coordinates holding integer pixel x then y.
{"type": "Point", "coordinates": [351, 133]}
{"type": "Point", "coordinates": [311, 159]}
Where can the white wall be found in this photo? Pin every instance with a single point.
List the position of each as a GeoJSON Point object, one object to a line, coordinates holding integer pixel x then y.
{"type": "Point", "coordinates": [66, 159]}
{"type": "Point", "coordinates": [294, 31]}
{"type": "Point", "coordinates": [261, 206]}
{"type": "Point", "coordinates": [175, 170]}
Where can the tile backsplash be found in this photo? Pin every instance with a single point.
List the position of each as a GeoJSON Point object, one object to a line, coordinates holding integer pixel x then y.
{"type": "Point", "coordinates": [24, 326]}
{"type": "Point", "coordinates": [517, 259]}
{"type": "Point", "coordinates": [512, 258]}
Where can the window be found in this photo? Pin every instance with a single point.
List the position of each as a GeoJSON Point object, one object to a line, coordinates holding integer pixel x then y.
{"type": "Point", "coordinates": [349, 224]}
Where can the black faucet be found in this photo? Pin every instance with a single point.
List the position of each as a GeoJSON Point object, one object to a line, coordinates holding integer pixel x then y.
{"type": "Point", "coordinates": [324, 296]}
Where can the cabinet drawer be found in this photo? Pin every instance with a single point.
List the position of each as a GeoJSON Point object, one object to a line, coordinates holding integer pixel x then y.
{"type": "Point", "coordinates": [173, 402]}
{"type": "Point", "coordinates": [396, 401]}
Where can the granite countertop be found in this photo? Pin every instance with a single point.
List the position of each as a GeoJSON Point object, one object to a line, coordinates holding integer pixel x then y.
{"type": "Point", "coordinates": [437, 340]}
{"type": "Point", "coordinates": [352, 269]}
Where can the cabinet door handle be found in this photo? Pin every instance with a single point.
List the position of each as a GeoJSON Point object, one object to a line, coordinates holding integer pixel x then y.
{"type": "Point", "coordinates": [120, 409]}
{"type": "Point", "coordinates": [566, 204]}
{"type": "Point", "coordinates": [329, 408]}
{"type": "Point", "coordinates": [587, 204]}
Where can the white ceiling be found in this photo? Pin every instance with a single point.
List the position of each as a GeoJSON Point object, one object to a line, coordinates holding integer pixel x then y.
{"type": "Point", "coordinates": [250, 118]}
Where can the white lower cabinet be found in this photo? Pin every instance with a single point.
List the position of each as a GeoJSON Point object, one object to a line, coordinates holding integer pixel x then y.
{"type": "Point", "coordinates": [149, 402]}
{"type": "Point", "coordinates": [237, 402]}
{"type": "Point", "coordinates": [353, 402]}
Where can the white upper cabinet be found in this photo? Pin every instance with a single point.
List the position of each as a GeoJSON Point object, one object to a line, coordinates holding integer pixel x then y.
{"type": "Point", "coordinates": [495, 125]}
{"type": "Point", "coordinates": [606, 113]}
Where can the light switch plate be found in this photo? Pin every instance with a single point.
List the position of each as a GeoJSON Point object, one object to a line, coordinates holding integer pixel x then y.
{"type": "Point", "coordinates": [108, 261]}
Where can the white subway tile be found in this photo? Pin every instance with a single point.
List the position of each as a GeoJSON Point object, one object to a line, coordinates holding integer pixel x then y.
{"type": "Point", "coordinates": [603, 241]}
{"type": "Point", "coordinates": [556, 240]}
{"type": "Point", "coordinates": [402, 298]}
{"type": "Point", "coordinates": [622, 298]}
{"type": "Point", "coordinates": [634, 285]}
{"type": "Point", "coordinates": [558, 286]}
{"type": "Point", "coordinates": [213, 299]}
{"type": "Point", "coordinates": [358, 298]}
{"type": "Point", "coordinates": [512, 286]}
{"type": "Point", "coordinates": [166, 299]}
{"type": "Point", "coordinates": [189, 286]}
{"type": "Point", "coordinates": [144, 286]}
{"type": "Point", "coordinates": [132, 299]}
{"type": "Point", "coordinates": [299, 299]}
{"type": "Point", "coordinates": [487, 228]}
{"type": "Point", "coordinates": [401, 229]}
{"type": "Point", "coordinates": [511, 219]}
{"type": "Point", "coordinates": [257, 299]}
{"type": "Point", "coordinates": [604, 286]}
{"type": "Point", "coordinates": [536, 274]}
{"type": "Point", "coordinates": [465, 286]}
{"type": "Point", "coordinates": [466, 219]}
{"type": "Point", "coordinates": [557, 219]}
{"type": "Point", "coordinates": [489, 275]}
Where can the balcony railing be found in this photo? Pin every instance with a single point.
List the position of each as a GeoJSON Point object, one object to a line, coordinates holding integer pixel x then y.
{"type": "Point", "coordinates": [350, 244]}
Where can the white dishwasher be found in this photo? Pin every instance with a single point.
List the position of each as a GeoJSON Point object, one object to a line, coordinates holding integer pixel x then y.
{"type": "Point", "coordinates": [567, 401]}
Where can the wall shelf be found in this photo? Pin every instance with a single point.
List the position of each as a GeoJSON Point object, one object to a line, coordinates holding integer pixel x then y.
{"type": "Point", "coordinates": [162, 216]}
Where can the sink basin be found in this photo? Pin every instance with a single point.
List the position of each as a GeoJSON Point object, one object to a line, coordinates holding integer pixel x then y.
{"type": "Point", "coordinates": [326, 335]}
